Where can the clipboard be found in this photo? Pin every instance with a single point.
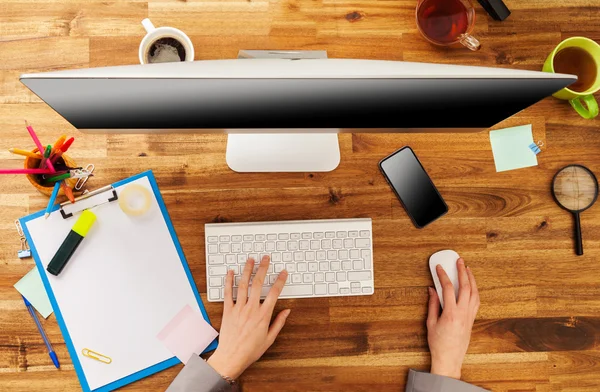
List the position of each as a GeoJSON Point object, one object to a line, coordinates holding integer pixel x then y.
{"type": "Point", "coordinates": [103, 312]}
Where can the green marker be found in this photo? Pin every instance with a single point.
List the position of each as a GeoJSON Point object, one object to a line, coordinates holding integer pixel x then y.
{"type": "Point", "coordinates": [60, 177]}
{"type": "Point", "coordinates": [70, 244]}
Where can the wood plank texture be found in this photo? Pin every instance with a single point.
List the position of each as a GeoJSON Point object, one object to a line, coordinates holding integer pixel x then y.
{"type": "Point", "coordinates": [539, 324]}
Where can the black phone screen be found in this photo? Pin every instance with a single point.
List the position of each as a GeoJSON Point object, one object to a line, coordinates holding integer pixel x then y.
{"type": "Point", "coordinates": [414, 188]}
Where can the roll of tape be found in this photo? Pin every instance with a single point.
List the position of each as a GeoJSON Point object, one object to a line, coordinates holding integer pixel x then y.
{"type": "Point", "coordinates": [135, 200]}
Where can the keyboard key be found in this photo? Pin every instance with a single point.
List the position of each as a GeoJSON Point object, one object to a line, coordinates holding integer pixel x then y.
{"type": "Point", "coordinates": [337, 243]}
{"type": "Point", "coordinates": [287, 256]}
{"type": "Point", "coordinates": [307, 278]}
{"type": "Point", "coordinates": [304, 245]}
{"type": "Point", "coordinates": [357, 264]}
{"type": "Point", "coordinates": [241, 259]}
{"type": "Point", "coordinates": [259, 246]}
{"type": "Point", "coordinates": [224, 238]}
{"type": "Point", "coordinates": [301, 267]}
{"type": "Point", "coordinates": [281, 245]}
{"type": "Point", "coordinates": [367, 290]}
{"type": "Point", "coordinates": [355, 290]}
{"type": "Point", "coordinates": [343, 254]}
{"type": "Point", "coordinates": [213, 249]}
{"type": "Point", "coordinates": [309, 256]}
{"type": "Point", "coordinates": [270, 246]}
{"type": "Point", "coordinates": [315, 244]}
{"type": "Point", "coordinates": [320, 289]}
{"type": "Point", "coordinates": [326, 244]}
{"type": "Point", "coordinates": [321, 255]}
{"type": "Point", "coordinates": [333, 288]}
{"type": "Point", "coordinates": [248, 237]}
{"type": "Point", "coordinates": [260, 256]}
{"type": "Point", "coordinates": [236, 248]}
{"type": "Point", "coordinates": [332, 255]}
{"type": "Point", "coordinates": [298, 256]}
{"type": "Point", "coordinates": [290, 267]}
{"type": "Point", "coordinates": [271, 237]}
{"type": "Point", "coordinates": [329, 234]}
{"type": "Point", "coordinates": [217, 270]}
{"type": "Point", "coordinates": [354, 254]}
{"type": "Point", "coordinates": [344, 290]}
{"type": "Point", "coordinates": [214, 293]}
{"type": "Point", "coordinates": [236, 281]}
{"type": "Point", "coordinates": [319, 277]}
{"type": "Point", "coordinates": [275, 257]}
{"type": "Point", "coordinates": [354, 285]}
{"type": "Point", "coordinates": [278, 268]}
{"type": "Point", "coordinates": [289, 279]}
{"type": "Point", "coordinates": [306, 236]}
{"type": "Point", "coordinates": [359, 275]}
{"type": "Point", "coordinates": [236, 238]}
{"type": "Point", "coordinates": [283, 236]}
{"type": "Point", "coordinates": [341, 234]}
{"type": "Point", "coordinates": [363, 242]}
{"type": "Point", "coordinates": [213, 240]}
{"type": "Point", "coordinates": [272, 279]}
{"type": "Point", "coordinates": [234, 268]}
{"type": "Point", "coordinates": [334, 266]}
{"type": "Point", "coordinates": [353, 234]}
{"type": "Point", "coordinates": [330, 276]}
{"type": "Point", "coordinates": [247, 247]}
{"type": "Point", "coordinates": [341, 276]}
{"type": "Point", "coordinates": [295, 236]}
{"type": "Point", "coordinates": [260, 237]}
{"type": "Point", "coordinates": [349, 243]}
{"type": "Point", "coordinates": [324, 266]}
{"type": "Point", "coordinates": [313, 267]}
{"type": "Point", "coordinates": [292, 245]}
{"type": "Point", "coordinates": [216, 259]}
{"type": "Point", "coordinates": [224, 248]}
{"type": "Point", "coordinates": [318, 236]}
{"type": "Point", "coordinates": [230, 259]}
{"type": "Point", "coordinates": [346, 265]}
{"type": "Point", "coordinates": [254, 256]}
{"type": "Point", "coordinates": [297, 278]}
{"type": "Point", "coordinates": [217, 281]}
{"type": "Point", "coordinates": [365, 233]}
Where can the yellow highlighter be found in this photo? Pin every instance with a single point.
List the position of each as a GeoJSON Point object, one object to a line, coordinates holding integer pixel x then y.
{"type": "Point", "coordinates": [70, 244]}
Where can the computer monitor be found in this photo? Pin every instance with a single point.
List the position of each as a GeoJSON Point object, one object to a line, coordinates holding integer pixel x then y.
{"type": "Point", "coordinates": [284, 114]}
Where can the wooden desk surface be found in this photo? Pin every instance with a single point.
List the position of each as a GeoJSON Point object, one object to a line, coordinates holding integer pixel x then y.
{"type": "Point", "coordinates": [539, 324]}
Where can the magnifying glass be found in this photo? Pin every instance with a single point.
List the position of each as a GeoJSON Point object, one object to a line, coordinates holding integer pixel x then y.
{"type": "Point", "coordinates": [575, 188]}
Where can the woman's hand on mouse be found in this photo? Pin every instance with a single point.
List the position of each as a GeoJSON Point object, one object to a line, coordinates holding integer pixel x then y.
{"type": "Point", "coordinates": [246, 329]}
{"type": "Point", "coordinates": [449, 334]}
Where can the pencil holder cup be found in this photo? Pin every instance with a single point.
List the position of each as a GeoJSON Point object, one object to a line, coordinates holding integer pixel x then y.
{"type": "Point", "coordinates": [36, 180]}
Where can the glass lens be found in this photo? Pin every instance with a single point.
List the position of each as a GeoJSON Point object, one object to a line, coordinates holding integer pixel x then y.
{"type": "Point", "coordinates": [575, 188]}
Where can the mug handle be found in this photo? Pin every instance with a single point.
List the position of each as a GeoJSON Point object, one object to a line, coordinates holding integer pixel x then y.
{"type": "Point", "coordinates": [470, 42]}
{"type": "Point", "coordinates": [592, 106]}
{"type": "Point", "coordinates": [148, 25]}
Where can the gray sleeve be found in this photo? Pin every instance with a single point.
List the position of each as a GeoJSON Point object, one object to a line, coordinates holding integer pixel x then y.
{"type": "Point", "coordinates": [198, 376]}
{"type": "Point", "coordinates": [426, 382]}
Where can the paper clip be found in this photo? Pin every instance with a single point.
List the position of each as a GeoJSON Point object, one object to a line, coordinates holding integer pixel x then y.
{"type": "Point", "coordinates": [81, 182]}
{"type": "Point", "coordinates": [536, 147]}
{"type": "Point", "coordinates": [97, 356]}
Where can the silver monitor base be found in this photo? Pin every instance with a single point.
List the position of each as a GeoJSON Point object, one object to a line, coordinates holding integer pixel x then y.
{"type": "Point", "coordinates": [283, 152]}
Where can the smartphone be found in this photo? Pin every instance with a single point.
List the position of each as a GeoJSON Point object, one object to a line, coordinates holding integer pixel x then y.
{"type": "Point", "coordinates": [414, 188]}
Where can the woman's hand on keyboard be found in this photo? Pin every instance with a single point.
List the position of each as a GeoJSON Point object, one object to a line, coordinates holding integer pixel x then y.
{"type": "Point", "coordinates": [246, 329]}
{"type": "Point", "coordinates": [449, 334]}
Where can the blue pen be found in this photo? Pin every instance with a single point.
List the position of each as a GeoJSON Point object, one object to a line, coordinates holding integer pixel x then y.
{"type": "Point", "coordinates": [52, 200]}
{"type": "Point", "coordinates": [39, 326]}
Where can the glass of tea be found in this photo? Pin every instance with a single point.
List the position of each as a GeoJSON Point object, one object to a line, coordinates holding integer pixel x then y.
{"type": "Point", "coordinates": [447, 22]}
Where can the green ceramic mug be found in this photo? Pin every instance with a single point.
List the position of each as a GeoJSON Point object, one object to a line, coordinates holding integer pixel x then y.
{"type": "Point", "coordinates": [577, 99]}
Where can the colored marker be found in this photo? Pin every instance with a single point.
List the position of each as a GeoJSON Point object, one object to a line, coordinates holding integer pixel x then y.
{"type": "Point", "coordinates": [38, 144]}
{"type": "Point", "coordinates": [47, 153]}
{"type": "Point", "coordinates": [62, 149]}
{"type": "Point", "coordinates": [26, 171]}
{"type": "Point", "coordinates": [25, 153]}
{"type": "Point", "coordinates": [52, 200]}
{"type": "Point", "coordinates": [68, 191]}
{"type": "Point", "coordinates": [39, 327]}
{"type": "Point", "coordinates": [70, 244]}
{"type": "Point", "coordinates": [59, 143]}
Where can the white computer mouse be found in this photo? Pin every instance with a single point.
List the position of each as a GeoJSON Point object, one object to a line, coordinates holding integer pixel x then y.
{"type": "Point", "coordinates": [447, 259]}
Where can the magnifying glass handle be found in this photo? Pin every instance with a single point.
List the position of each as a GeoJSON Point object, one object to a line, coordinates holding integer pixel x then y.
{"type": "Point", "coordinates": [578, 239]}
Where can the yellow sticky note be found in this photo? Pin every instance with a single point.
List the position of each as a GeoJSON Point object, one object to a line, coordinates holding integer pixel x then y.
{"type": "Point", "coordinates": [510, 147]}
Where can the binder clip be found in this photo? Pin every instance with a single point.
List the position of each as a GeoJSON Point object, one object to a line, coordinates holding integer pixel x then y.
{"type": "Point", "coordinates": [89, 200]}
{"type": "Point", "coordinates": [24, 252]}
{"type": "Point", "coordinates": [536, 147]}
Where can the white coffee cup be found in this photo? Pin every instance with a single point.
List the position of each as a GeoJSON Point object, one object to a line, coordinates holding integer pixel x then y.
{"type": "Point", "coordinates": [163, 32]}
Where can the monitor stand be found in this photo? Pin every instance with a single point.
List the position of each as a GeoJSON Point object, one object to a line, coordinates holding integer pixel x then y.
{"type": "Point", "coordinates": [292, 150]}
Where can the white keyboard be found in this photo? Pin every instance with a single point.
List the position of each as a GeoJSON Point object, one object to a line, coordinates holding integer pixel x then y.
{"type": "Point", "coordinates": [324, 258]}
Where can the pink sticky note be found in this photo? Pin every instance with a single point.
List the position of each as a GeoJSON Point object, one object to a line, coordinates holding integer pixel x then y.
{"type": "Point", "coordinates": [187, 334]}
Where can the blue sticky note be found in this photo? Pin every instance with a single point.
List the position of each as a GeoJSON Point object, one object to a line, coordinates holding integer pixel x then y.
{"type": "Point", "coordinates": [510, 147]}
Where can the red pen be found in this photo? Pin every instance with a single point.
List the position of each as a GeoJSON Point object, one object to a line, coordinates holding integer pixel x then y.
{"type": "Point", "coordinates": [39, 145]}
{"type": "Point", "coordinates": [62, 149]}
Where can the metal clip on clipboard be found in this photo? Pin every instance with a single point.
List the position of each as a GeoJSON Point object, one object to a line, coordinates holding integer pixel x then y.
{"type": "Point", "coordinates": [89, 200]}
